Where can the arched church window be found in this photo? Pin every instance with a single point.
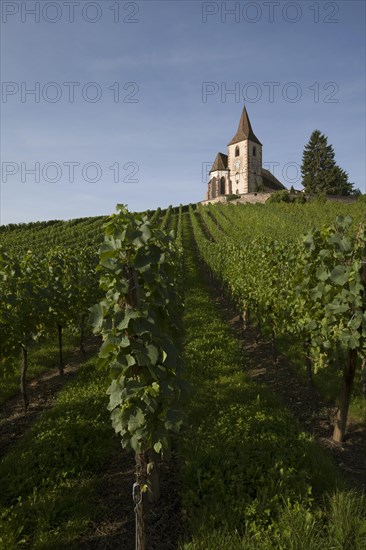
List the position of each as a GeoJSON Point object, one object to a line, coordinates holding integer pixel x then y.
{"type": "Point", "coordinates": [254, 151]}
{"type": "Point", "coordinates": [237, 151]}
{"type": "Point", "coordinates": [213, 188]}
{"type": "Point", "coordinates": [222, 186]}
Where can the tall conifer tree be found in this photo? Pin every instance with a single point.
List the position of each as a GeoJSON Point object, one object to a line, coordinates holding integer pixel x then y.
{"type": "Point", "coordinates": [319, 170]}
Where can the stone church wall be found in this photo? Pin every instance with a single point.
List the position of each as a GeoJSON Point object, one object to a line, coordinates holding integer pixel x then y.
{"type": "Point", "coordinates": [248, 198]}
{"type": "Point", "coordinates": [240, 186]}
{"type": "Point", "coordinates": [255, 167]}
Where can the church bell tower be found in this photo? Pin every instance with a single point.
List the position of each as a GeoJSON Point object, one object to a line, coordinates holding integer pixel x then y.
{"type": "Point", "coordinates": [245, 159]}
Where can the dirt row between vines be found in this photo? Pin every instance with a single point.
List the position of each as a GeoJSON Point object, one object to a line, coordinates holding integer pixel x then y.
{"type": "Point", "coordinates": [115, 527]}
{"type": "Point", "coordinates": [315, 415]}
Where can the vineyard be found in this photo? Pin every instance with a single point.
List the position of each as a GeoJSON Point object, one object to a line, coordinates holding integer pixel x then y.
{"type": "Point", "coordinates": [167, 313]}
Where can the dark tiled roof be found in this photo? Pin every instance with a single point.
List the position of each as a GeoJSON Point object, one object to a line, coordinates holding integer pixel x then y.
{"type": "Point", "coordinates": [269, 180]}
{"type": "Point", "coordinates": [220, 162]}
{"type": "Point", "coordinates": [244, 130]}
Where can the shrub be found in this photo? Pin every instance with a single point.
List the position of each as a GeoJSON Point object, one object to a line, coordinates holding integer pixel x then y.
{"type": "Point", "coordinates": [232, 197]}
{"type": "Point", "coordinates": [319, 198]}
{"type": "Point", "coordinates": [280, 196]}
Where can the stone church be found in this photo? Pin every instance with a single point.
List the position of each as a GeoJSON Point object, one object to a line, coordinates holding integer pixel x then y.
{"type": "Point", "coordinates": [240, 171]}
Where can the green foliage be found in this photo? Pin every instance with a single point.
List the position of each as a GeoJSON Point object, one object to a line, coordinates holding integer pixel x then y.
{"type": "Point", "coordinates": [167, 217]}
{"type": "Point", "coordinates": [330, 302]}
{"type": "Point", "coordinates": [285, 196]}
{"type": "Point", "coordinates": [44, 357]}
{"type": "Point", "coordinates": [71, 285]}
{"type": "Point", "coordinates": [310, 288]}
{"type": "Point", "coordinates": [22, 305]}
{"type": "Point", "coordinates": [347, 524]}
{"type": "Point", "coordinates": [40, 237]}
{"type": "Point", "coordinates": [231, 197]}
{"type": "Point", "coordinates": [319, 198]}
{"type": "Point", "coordinates": [139, 319]}
{"type": "Point", "coordinates": [235, 494]}
{"type": "Point", "coordinates": [280, 196]}
{"type": "Point", "coordinates": [319, 170]}
{"type": "Point", "coordinates": [245, 459]}
{"type": "Point", "coordinates": [299, 199]}
{"type": "Point", "coordinates": [258, 187]}
{"type": "Point", "coordinates": [39, 292]}
{"type": "Point", "coordinates": [47, 479]}
{"type": "Point", "coordinates": [341, 526]}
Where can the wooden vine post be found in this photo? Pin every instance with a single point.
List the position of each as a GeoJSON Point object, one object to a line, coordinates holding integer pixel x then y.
{"type": "Point", "coordinates": [23, 377]}
{"type": "Point", "coordinates": [61, 361]}
{"type": "Point", "coordinates": [363, 377]}
{"type": "Point", "coordinates": [139, 498]}
{"type": "Point", "coordinates": [308, 363]}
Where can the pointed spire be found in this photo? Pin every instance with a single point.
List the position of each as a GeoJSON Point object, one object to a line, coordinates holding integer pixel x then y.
{"type": "Point", "coordinates": [244, 130]}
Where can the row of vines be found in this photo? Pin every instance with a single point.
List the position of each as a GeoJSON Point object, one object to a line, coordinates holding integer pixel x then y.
{"type": "Point", "coordinates": [311, 288]}
{"type": "Point", "coordinates": [39, 297]}
{"type": "Point", "coordinates": [140, 320]}
{"type": "Point", "coordinates": [130, 292]}
{"type": "Point", "coordinates": [48, 282]}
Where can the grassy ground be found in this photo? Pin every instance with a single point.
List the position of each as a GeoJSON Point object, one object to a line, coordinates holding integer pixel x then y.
{"type": "Point", "coordinates": [48, 479]}
{"type": "Point", "coordinates": [327, 381]}
{"type": "Point", "coordinates": [42, 357]}
{"type": "Point", "coordinates": [252, 479]}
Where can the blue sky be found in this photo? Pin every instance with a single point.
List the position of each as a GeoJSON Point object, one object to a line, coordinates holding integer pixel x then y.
{"type": "Point", "coordinates": [300, 66]}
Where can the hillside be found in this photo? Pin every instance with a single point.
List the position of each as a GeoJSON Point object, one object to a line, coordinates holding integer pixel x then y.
{"type": "Point", "coordinates": [262, 302]}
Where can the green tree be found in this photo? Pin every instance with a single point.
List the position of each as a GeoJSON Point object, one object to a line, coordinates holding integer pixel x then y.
{"type": "Point", "coordinates": [319, 170]}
